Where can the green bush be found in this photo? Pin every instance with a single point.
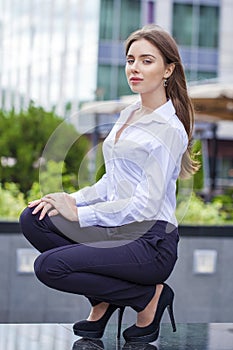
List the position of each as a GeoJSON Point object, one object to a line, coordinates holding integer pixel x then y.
{"type": "Point", "coordinates": [53, 178]}
{"type": "Point", "coordinates": [24, 139]}
{"type": "Point", "coordinates": [226, 203]}
{"type": "Point", "coordinates": [11, 202]}
{"type": "Point", "coordinates": [196, 212]}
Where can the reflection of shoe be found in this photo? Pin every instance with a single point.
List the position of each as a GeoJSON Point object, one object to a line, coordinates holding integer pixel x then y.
{"type": "Point", "coordinates": [134, 346]}
{"type": "Point", "coordinates": [95, 329]}
{"type": "Point", "coordinates": [150, 333]}
{"type": "Point", "coordinates": [88, 344]}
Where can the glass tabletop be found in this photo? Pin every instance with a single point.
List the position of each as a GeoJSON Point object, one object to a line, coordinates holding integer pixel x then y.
{"type": "Point", "coordinates": [196, 336]}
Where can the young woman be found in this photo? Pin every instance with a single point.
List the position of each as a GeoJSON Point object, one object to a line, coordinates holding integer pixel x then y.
{"type": "Point", "coordinates": [116, 242]}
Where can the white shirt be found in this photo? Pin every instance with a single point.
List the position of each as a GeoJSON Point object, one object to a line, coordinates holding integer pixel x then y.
{"type": "Point", "coordinates": [141, 171]}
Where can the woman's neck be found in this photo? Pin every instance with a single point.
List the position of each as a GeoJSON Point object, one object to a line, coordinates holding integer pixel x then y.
{"type": "Point", "coordinates": [152, 102]}
{"type": "Point", "coordinates": [145, 110]}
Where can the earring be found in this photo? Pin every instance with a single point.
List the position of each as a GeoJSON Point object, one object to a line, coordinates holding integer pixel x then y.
{"type": "Point", "coordinates": [165, 82]}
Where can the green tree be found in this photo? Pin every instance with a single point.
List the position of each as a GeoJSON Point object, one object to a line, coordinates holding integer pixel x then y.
{"type": "Point", "coordinates": [24, 138]}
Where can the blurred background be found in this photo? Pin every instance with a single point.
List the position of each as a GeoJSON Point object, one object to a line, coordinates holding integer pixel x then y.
{"type": "Point", "coordinates": [62, 86]}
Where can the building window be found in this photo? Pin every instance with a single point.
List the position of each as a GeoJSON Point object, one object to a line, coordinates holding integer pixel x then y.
{"type": "Point", "coordinates": [104, 81]}
{"type": "Point", "coordinates": [200, 75]}
{"type": "Point", "coordinates": [196, 25]}
{"type": "Point", "coordinates": [118, 18]}
{"type": "Point", "coordinates": [123, 87]}
{"type": "Point", "coordinates": [109, 90]}
{"type": "Point", "coordinates": [183, 24]}
{"type": "Point", "coordinates": [106, 19]}
{"type": "Point", "coordinates": [196, 30]}
{"type": "Point", "coordinates": [208, 29]}
{"type": "Point", "coordinates": [129, 17]}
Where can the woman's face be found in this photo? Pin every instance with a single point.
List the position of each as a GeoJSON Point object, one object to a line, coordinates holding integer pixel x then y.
{"type": "Point", "coordinates": [145, 68]}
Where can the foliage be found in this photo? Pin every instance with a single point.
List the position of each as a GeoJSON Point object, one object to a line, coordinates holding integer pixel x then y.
{"type": "Point", "coordinates": [198, 178]}
{"type": "Point", "coordinates": [28, 135]}
{"type": "Point", "coordinates": [197, 212]}
{"type": "Point", "coordinates": [11, 202]}
{"type": "Point", "coordinates": [226, 203]}
{"type": "Point", "coordinates": [52, 179]}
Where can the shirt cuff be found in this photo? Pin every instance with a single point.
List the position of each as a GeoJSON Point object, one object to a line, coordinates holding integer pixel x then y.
{"type": "Point", "coordinates": [79, 198]}
{"type": "Point", "coordinates": [86, 216]}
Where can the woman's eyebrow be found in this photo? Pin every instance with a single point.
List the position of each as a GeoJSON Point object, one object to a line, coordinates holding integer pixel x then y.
{"type": "Point", "coordinates": [143, 55]}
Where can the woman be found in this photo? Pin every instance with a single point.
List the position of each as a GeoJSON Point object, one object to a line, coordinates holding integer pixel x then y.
{"type": "Point", "coordinates": [116, 242]}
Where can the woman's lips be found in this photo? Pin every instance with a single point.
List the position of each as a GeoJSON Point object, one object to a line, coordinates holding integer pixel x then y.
{"type": "Point", "coordinates": [135, 80]}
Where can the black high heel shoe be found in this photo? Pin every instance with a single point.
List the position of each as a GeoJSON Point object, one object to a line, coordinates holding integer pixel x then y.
{"type": "Point", "coordinates": [95, 329]}
{"type": "Point", "coordinates": [150, 333]}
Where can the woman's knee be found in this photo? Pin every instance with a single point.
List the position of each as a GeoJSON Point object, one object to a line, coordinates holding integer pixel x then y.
{"type": "Point", "coordinates": [41, 268]}
{"type": "Point", "coordinates": [26, 218]}
{"type": "Point", "coordinates": [29, 224]}
{"type": "Point", "coordinates": [49, 268]}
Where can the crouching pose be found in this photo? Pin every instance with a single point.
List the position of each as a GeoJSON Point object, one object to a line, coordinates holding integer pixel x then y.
{"type": "Point", "coordinates": [115, 242]}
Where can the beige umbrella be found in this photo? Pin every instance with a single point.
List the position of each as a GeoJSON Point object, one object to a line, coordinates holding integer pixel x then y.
{"type": "Point", "coordinates": [215, 100]}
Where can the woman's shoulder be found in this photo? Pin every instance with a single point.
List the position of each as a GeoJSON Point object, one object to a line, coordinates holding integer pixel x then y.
{"type": "Point", "coordinates": [167, 126]}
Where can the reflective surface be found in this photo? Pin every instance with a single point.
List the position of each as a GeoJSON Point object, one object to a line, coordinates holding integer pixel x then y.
{"type": "Point", "coordinates": [214, 336]}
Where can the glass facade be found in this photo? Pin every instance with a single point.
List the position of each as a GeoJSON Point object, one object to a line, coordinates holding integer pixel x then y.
{"type": "Point", "coordinates": [114, 28]}
{"type": "Point", "coordinates": [196, 30]}
{"type": "Point", "coordinates": [209, 26]}
{"type": "Point", "coordinates": [46, 49]}
{"type": "Point", "coordinates": [196, 25]}
{"type": "Point", "coordinates": [67, 51]}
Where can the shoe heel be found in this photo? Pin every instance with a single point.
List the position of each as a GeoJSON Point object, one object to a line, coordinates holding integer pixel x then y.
{"type": "Point", "coordinates": [172, 318]}
{"type": "Point", "coordinates": [120, 316]}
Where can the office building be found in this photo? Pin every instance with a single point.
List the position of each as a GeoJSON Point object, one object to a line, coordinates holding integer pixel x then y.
{"type": "Point", "coordinates": [202, 29]}
{"type": "Point", "coordinates": [61, 53]}
{"type": "Point", "coordinates": [48, 53]}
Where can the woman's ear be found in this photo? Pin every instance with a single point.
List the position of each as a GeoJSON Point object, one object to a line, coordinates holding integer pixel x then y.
{"type": "Point", "coordinates": [169, 70]}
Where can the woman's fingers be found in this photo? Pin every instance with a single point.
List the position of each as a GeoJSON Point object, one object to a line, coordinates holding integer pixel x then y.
{"type": "Point", "coordinates": [45, 210]}
{"type": "Point", "coordinates": [54, 204]}
{"type": "Point", "coordinates": [34, 203]}
{"type": "Point", "coordinates": [53, 212]}
{"type": "Point", "coordinates": [64, 204]}
{"type": "Point", "coordinates": [38, 207]}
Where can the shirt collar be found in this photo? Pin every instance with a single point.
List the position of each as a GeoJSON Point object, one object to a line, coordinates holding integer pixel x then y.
{"type": "Point", "coordinates": [161, 114]}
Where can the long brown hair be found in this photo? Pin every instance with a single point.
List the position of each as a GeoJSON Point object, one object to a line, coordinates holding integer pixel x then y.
{"type": "Point", "coordinates": [176, 88]}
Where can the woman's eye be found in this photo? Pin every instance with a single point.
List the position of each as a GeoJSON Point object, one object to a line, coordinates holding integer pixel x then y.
{"type": "Point", "coordinates": [130, 61]}
{"type": "Point", "coordinates": [147, 61]}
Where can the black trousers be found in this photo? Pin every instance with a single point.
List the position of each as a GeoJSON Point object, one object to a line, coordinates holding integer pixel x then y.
{"type": "Point", "coordinates": [110, 268]}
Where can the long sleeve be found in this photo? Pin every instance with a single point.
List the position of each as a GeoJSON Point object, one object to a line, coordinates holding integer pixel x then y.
{"type": "Point", "coordinates": [92, 194]}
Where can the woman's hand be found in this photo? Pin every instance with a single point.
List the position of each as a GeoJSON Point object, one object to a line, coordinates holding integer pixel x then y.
{"type": "Point", "coordinates": [54, 204]}
{"type": "Point", "coordinates": [39, 205]}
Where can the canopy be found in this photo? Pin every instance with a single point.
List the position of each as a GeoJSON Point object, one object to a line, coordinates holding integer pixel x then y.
{"type": "Point", "coordinates": [212, 100]}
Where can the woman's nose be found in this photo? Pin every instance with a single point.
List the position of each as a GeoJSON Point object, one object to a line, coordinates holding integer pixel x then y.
{"type": "Point", "coordinates": [134, 67]}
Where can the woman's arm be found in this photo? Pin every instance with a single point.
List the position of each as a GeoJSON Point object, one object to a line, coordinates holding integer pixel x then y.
{"type": "Point", "coordinates": [92, 194]}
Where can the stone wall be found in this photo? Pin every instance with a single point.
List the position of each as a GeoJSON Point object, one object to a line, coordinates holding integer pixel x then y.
{"type": "Point", "coordinates": [200, 297]}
